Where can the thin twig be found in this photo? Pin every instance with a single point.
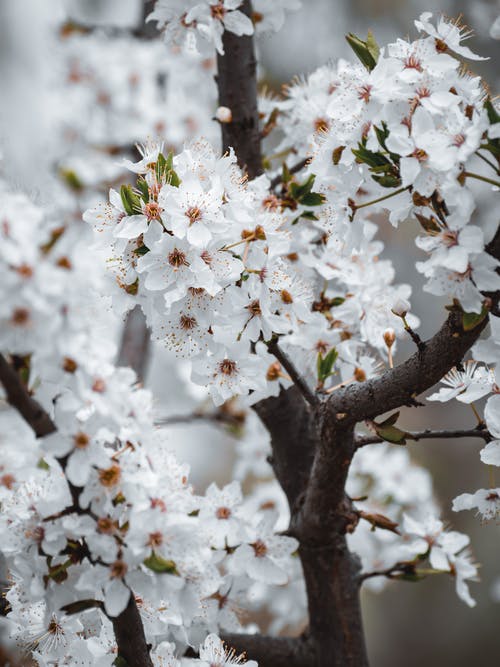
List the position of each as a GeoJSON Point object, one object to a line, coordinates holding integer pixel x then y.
{"type": "Point", "coordinates": [294, 374]}
{"type": "Point", "coordinates": [361, 441]}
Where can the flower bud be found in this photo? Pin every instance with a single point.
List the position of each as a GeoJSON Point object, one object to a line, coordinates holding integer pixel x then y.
{"type": "Point", "coordinates": [401, 307]}
{"type": "Point", "coordinates": [389, 337]}
{"type": "Point", "coordinates": [224, 115]}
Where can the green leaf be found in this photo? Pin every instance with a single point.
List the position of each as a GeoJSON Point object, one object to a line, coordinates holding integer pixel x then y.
{"type": "Point", "coordinates": [391, 420]}
{"type": "Point", "coordinates": [391, 434]}
{"type": "Point", "coordinates": [42, 464]}
{"type": "Point", "coordinates": [388, 181]}
{"type": "Point", "coordinates": [472, 320]}
{"type": "Point", "coordinates": [382, 134]}
{"type": "Point", "coordinates": [298, 190]}
{"type": "Point", "coordinates": [493, 115]}
{"type": "Point", "coordinates": [120, 662]}
{"type": "Point", "coordinates": [372, 46]}
{"type": "Point", "coordinates": [336, 301]}
{"type": "Point", "coordinates": [160, 565]}
{"type": "Point", "coordinates": [71, 179]}
{"type": "Point", "coordinates": [312, 199]}
{"type": "Point", "coordinates": [371, 158]}
{"type": "Point", "coordinates": [367, 52]}
{"type": "Point", "coordinates": [142, 185]}
{"type": "Point", "coordinates": [130, 200]}
{"type": "Point", "coordinates": [324, 365]}
{"type": "Point", "coordinates": [141, 250]}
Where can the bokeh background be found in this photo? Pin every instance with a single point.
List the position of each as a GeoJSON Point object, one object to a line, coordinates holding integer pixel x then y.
{"type": "Point", "coordinates": [407, 624]}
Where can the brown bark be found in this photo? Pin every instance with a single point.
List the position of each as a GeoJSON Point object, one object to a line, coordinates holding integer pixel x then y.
{"type": "Point", "coordinates": [237, 84]}
{"type": "Point", "coordinates": [129, 634]}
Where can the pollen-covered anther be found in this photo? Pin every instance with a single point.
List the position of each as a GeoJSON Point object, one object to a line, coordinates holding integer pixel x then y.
{"type": "Point", "coordinates": [155, 539]}
{"type": "Point", "coordinates": [259, 548]}
{"type": "Point", "coordinates": [109, 477]}
{"type": "Point", "coordinates": [193, 214]}
{"type": "Point", "coordinates": [412, 62]}
{"type": "Point", "coordinates": [177, 258]}
{"type": "Point", "coordinates": [223, 513]}
{"type": "Point", "coordinates": [228, 367]}
{"type": "Point", "coordinates": [20, 317]}
{"type": "Point", "coordinates": [420, 154]}
{"type": "Point", "coordinates": [152, 210]}
{"type": "Point", "coordinates": [187, 322]}
{"type": "Point", "coordinates": [254, 307]}
{"type": "Point", "coordinates": [81, 440]}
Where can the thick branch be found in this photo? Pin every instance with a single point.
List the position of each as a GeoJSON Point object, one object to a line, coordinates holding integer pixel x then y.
{"type": "Point", "coordinates": [482, 433]}
{"type": "Point", "coordinates": [294, 374]}
{"type": "Point", "coordinates": [290, 423]}
{"type": "Point", "coordinates": [401, 385]}
{"type": "Point", "coordinates": [135, 343]}
{"type": "Point", "coordinates": [236, 80]}
{"type": "Point", "coordinates": [130, 637]}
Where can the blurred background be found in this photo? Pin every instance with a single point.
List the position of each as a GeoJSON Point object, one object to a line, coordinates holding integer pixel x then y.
{"type": "Point", "coordinates": [49, 132]}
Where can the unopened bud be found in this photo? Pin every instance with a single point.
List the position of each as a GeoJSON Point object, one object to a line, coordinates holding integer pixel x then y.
{"type": "Point", "coordinates": [401, 307]}
{"type": "Point", "coordinates": [389, 337]}
{"type": "Point", "coordinates": [224, 115]}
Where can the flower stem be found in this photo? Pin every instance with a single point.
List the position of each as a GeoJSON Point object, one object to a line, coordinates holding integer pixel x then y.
{"type": "Point", "coordinates": [470, 174]}
{"type": "Point", "coordinates": [356, 207]}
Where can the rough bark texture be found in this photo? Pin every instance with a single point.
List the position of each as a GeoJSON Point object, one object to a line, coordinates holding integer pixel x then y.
{"type": "Point", "coordinates": [237, 86]}
{"type": "Point", "coordinates": [129, 634]}
{"type": "Point", "coordinates": [401, 385]}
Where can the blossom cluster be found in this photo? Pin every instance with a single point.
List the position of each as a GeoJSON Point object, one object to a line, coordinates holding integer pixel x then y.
{"type": "Point", "coordinates": [100, 507]}
{"type": "Point", "coordinates": [406, 130]}
{"type": "Point", "coordinates": [184, 22]}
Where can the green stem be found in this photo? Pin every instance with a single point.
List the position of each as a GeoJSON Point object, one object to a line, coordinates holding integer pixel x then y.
{"type": "Point", "coordinates": [376, 201]}
{"type": "Point", "coordinates": [488, 162]}
{"type": "Point", "coordinates": [469, 174]}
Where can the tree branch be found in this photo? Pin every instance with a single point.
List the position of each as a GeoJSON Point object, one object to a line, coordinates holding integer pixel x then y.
{"type": "Point", "coordinates": [19, 398]}
{"type": "Point", "coordinates": [361, 441]}
{"type": "Point", "coordinates": [135, 343]}
{"type": "Point", "coordinates": [130, 637]}
{"type": "Point", "coordinates": [295, 376]}
{"type": "Point", "coordinates": [237, 84]}
{"type": "Point", "coordinates": [401, 385]}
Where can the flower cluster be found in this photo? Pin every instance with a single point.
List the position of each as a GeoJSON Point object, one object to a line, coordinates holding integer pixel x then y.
{"type": "Point", "coordinates": [100, 509]}
{"type": "Point", "coordinates": [183, 22]}
{"type": "Point", "coordinates": [406, 131]}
